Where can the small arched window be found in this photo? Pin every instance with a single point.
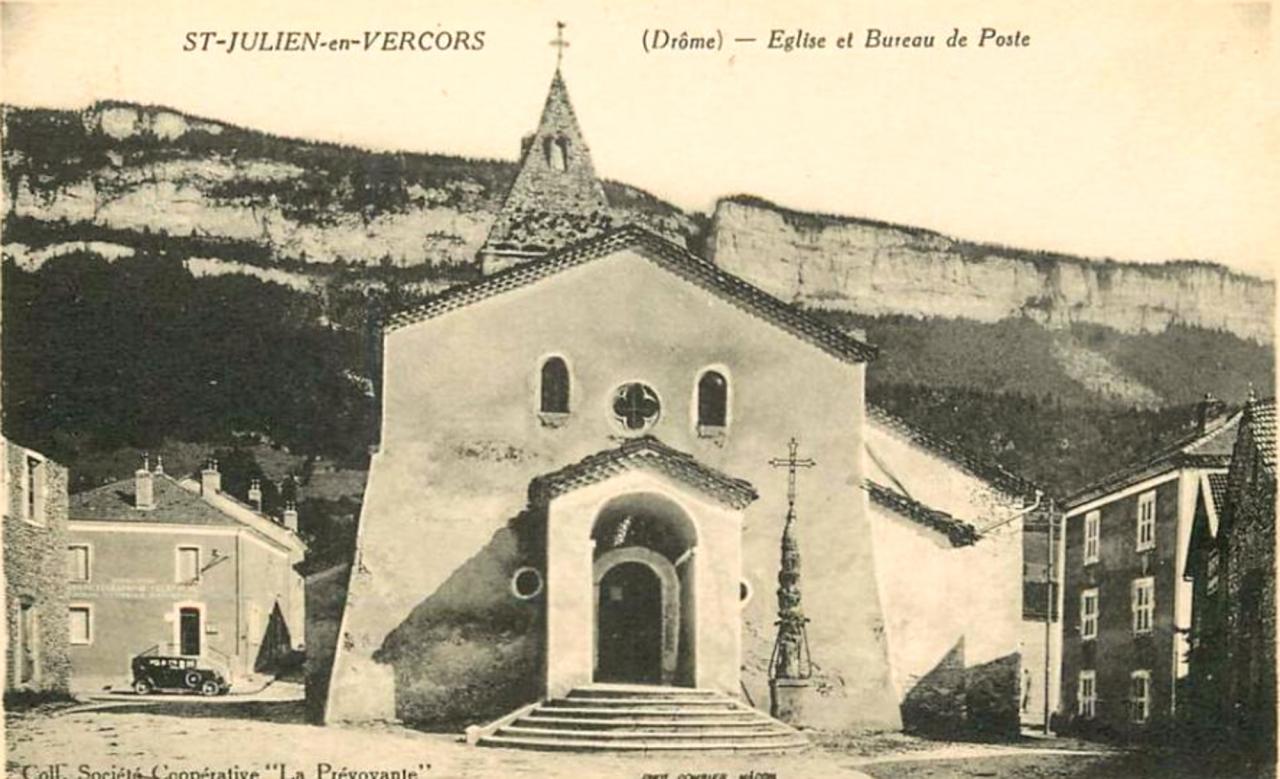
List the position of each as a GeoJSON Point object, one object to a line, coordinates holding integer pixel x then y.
{"type": "Point", "coordinates": [554, 387]}
{"type": "Point", "coordinates": [713, 400]}
{"type": "Point", "coordinates": [562, 157]}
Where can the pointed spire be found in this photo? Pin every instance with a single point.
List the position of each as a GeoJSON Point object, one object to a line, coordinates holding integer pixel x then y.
{"type": "Point", "coordinates": [556, 198]}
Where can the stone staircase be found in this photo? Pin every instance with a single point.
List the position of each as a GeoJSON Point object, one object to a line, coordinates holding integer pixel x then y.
{"type": "Point", "coordinates": [631, 717]}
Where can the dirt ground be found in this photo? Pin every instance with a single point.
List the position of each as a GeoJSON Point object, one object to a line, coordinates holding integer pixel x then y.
{"type": "Point", "coordinates": [190, 740]}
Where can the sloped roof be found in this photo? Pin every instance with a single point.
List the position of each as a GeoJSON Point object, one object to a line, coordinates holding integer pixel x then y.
{"type": "Point", "coordinates": [1210, 449]}
{"type": "Point", "coordinates": [1218, 490]}
{"type": "Point", "coordinates": [957, 531]}
{"type": "Point", "coordinates": [991, 472]}
{"type": "Point", "coordinates": [666, 255]}
{"type": "Point", "coordinates": [173, 505]}
{"type": "Point", "coordinates": [177, 502]}
{"type": "Point", "coordinates": [644, 453]}
{"type": "Point", "coordinates": [1261, 416]}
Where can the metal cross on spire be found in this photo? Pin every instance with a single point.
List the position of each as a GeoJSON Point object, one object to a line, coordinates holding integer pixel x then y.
{"type": "Point", "coordinates": [791, 464]}
{"type": "Point", "coordinates": [560, 43]}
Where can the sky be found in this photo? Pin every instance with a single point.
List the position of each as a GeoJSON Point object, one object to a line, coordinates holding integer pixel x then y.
{"type": "Point", "coordinates": [1132, 130]}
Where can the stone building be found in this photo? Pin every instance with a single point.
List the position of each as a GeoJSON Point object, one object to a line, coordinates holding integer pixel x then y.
{"type": "Point", "coordinates": [1231, 563]}
{"type": "Point", "coordinates": [35, 532]}
{"type": "Point", "coordinates": [573, 489]}
{"type": "Point", "coordinates": [175, 566]}
{"type": "Point", "coordinates": [1127, 606]}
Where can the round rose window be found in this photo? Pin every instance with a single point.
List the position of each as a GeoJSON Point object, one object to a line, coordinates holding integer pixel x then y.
{"type": "Point", "coordinates": [636, 407]}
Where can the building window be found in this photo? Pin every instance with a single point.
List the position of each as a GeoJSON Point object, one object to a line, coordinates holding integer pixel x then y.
{"type": "Point", "coordinates": [1211, 572]}
{"type": "Point", "coordinates": [33, 486]}
{"type": "Point", "coordinates": [1144, 604]}
{"type": "Point", "coordinates": [26, 653]}
{"type": "Point", "coordinates": [78, 563]}
{"type": "Point", "coordinates": [1092, 530]}
{"type": "Point", "coordinates": [636, 406]}
{"type": "Point", "coordinates": [188, 567]}
{"type": "Point", "coordinates": [713, 402]}
{"type": "Point", "coordinates": [80, 623]}
{"type": "Point", "coordinates": [1087, 694]}
{"type": "Point", "coordinates": [189, 632]}
{"type": "Point", "coordinates": [1089, 614]}
{"type": "Point", "coordinates": [554, 387]}
{"type": "Point", "coordinates": [556, 151]}
{"type": "Point", "coordinates": [1146, 520]}
{"type": "Point", "coordinates": [1139, 696]}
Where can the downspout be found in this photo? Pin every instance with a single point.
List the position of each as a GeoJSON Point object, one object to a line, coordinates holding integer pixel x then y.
{"type": "Point", "coordinates": [1050, 602]}
{"type": "Point", "coordinates": [1049, 599]}
{"type": "Point", "coordinates": [239, 581]}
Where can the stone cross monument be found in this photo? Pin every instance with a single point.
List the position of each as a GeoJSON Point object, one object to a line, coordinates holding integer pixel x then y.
{"type": "Point", "coordinates": [791, 666]}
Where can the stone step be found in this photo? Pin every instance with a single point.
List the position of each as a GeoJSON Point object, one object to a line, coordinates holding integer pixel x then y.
{"type": "Point", "coordinates": [647, 702]}
{"type": "Point", "coordinates": [632, 735]}
{"type": "Point", "coordinates": [793, 741]}
{"type": "Point", "coordinates": [599, 718]}
{"type": "Point", "coordinates": [542, 718]}
{"type": "Point", "coordinates": [641, 692]}
{"type": "Point", "coordinates": [640, 712]}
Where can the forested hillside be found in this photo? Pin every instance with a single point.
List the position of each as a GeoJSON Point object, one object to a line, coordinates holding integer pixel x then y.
{"type": "Point", "coordinates": [179, 284]}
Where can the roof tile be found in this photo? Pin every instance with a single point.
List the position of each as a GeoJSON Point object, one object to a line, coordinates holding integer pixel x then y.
{"type": "Point", "coordinates": [646, 453]}
{"type": "Point", "coordinates": [665, 254]}
{"type": "Point", "coordinates": [174, 505]}
{"type": "Point", "coordinates": [958, 532]}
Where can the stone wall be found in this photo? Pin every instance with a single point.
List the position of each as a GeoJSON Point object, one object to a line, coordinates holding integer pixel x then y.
{"type": "Point", "coordinates": [35, 571]}
{"type": "Point", "coordinates": [1250, 683]}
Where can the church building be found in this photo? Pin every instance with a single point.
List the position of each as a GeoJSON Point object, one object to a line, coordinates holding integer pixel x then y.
{"type": "Point", "coordinates": [576, 502]}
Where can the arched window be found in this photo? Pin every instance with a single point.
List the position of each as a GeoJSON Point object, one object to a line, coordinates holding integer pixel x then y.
{"type": "Point", "coordinates": [556, 151]}
{"type": "Point", "coordinates": [554, 387]}
{"type": "Point", "coordinates": [713, 400]}
{"type": "Point", "coordinates": [562, 158]}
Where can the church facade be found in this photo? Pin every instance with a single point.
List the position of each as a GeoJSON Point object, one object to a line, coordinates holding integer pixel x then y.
{"type": "Point", "coordinates": [573, 487]}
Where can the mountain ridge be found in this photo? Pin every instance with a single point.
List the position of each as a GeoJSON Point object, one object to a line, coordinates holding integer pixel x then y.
{"type": "Point", "coordinates": [312, 242]}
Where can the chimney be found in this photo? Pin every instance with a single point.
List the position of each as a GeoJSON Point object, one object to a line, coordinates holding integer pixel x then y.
{"type": "Point", "coordinates": [255, 495]}
{"type": "Point", "coordinates": [291, 516]}
{"type": "Point", "coordinates": [1207, 411]}
{"type": "Point", "coordinates": [144, 496]}
{"type": "Point", "coordinates": [210, 479]}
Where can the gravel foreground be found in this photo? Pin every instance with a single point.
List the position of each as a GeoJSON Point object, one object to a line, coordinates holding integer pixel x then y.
{"type": "Point", "coordinates": [270, 741]}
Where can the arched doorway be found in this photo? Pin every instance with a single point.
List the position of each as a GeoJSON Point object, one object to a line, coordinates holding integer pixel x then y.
{"type": "Point", "coordinates": [644, 591]}
{"type": "Point", "coordinates": [629, 619]}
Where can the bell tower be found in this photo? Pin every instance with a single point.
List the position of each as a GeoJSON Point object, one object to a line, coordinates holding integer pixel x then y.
{"type": "Point", "coordinates": [556, 198]}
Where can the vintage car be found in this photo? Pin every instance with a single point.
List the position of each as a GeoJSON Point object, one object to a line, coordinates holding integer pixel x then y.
{"type": "Point", "coordinates": [153, 673]}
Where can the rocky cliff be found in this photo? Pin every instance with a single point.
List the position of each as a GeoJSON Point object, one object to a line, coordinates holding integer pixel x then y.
{"type": "Point", "coordinates": [116, 174]}
{"type": "Point", "coordinates": [872, 268]}
{"type": "Point", "coordinates": [145, 169]}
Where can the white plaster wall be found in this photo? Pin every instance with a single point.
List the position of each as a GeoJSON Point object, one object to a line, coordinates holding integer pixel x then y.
{"type": "Point", "coordinates": [461, 441]}
{"type": "Point", "coordinates": [1032, 647]}
{"type": "Point", "coordinates": [570, 604]}
{"type": "Point", "coordinates": [936, 595]}
{"type": "Point", "coordinates": [898, 463]}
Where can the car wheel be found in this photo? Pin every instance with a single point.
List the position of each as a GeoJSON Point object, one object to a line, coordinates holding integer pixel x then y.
{"type": "Point", "coordinates": [209, 688]}
{"type": "Point", "coordinates": [142, 687]}
{"type": "Point", "coordinates": [192, 680]}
